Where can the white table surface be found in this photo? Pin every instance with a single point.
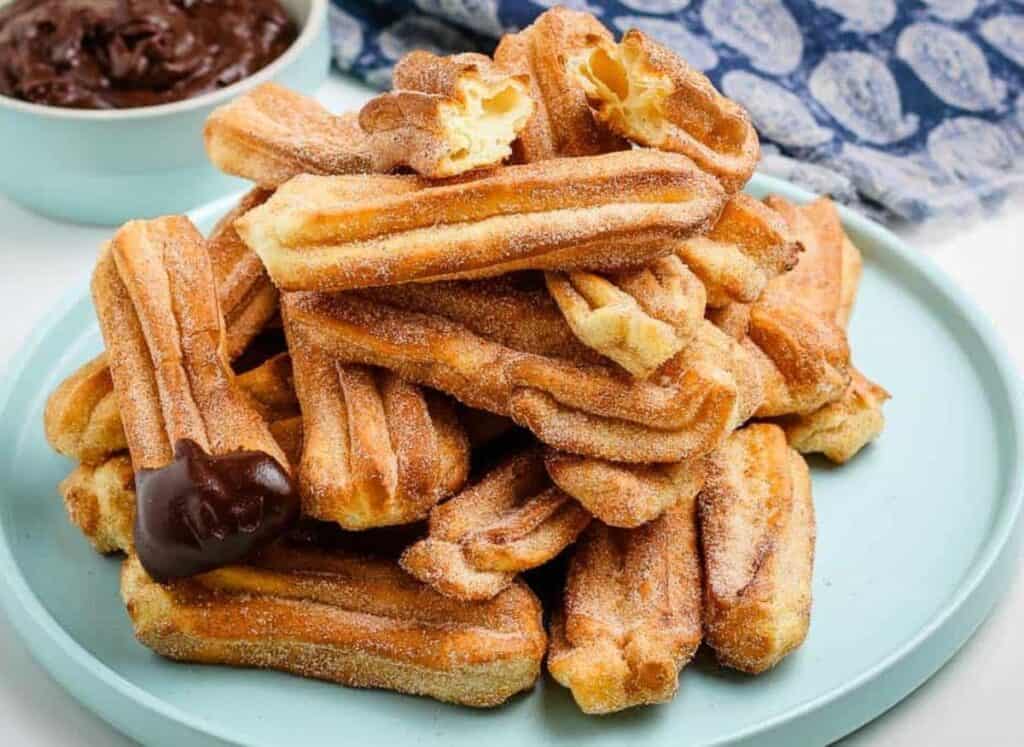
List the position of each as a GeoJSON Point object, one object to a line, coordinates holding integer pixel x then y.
{"type": "Point", "coordinates": [974, 700]}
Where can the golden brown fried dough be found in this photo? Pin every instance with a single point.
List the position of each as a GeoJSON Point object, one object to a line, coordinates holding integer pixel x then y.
{"type": "Point", "coordinates": [345, 619]}
{"type": "Point", "coordinates": [156, 301]}
{"type": "Point", "coordinates": [447, 115]}
{"type": "Point", "coordinates": [271, 134]}
{"type": "Point", "coordinates": [841, 428]}
{"type": "Point", "coordinates": [748, 246]}
{"type": "Point", "coordinates": [639, 318]}
{"type": "Point", "coordinates": [575, 407]}
{"type": "Point", "coordinates": [625, 495]}
{"type": "Point", "coordinates": [513, 520]}
{"type": "Point", "coordinates": [563, 123]}
{"type": "Point", "coordinates": [757, 534]}
{"type": "Point", "coordinates": [376, 451]}
{"type": "Point", "coordinates": [514, 310]}
{"type": "Point", "coordinates": [100, 500]}
{"type": "Point", "coordinates": [271, 389]}
{"type": "Point", "coordinates": [82, 419]}
{"type": "Point", "coordinates": [632, 613]}
{"type": "Point", "coordinates": [647, 93]}
{"type": "Point", "coordinates": [804, 358]}
{"type": "Point", "coordinates": [599, 213]}
{"type": "Point", "coordinates": [733, 319]}
{"type": "Point", "coordinates": [825, 281]}
{"type": "Point", "coordinates": [817, 279]}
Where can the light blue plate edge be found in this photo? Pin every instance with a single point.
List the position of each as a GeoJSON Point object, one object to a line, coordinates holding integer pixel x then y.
{"type": "Point", "coordinates": [142, 716]}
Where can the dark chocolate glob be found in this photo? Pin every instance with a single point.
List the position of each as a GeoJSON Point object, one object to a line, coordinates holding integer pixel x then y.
{"type": "Point", "coordinates": [104, 54]}
{"type": "Point", "coordinates": [201, 512]}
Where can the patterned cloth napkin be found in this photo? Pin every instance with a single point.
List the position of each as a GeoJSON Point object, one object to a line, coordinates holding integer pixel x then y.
{"type": "Point", "coordinates": [911, 107]}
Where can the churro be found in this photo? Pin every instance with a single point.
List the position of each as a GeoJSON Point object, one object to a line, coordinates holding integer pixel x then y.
{"type": "Point", "coordinates": [599, 213]}
{"type": "Point", "coordinates": [271, 134]}
{"type": "Point", "coordinates": [346, 619]}
{"type": "Point", "coordinates": [513, 520]}
{"type": "Point", "coordinates": [757, 534]}
{"type": "Point", "coordinates": [447, 115]}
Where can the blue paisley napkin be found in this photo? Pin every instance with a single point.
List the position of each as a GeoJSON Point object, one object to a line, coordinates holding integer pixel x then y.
{"type": "Point", "coordinates": [913, 107]}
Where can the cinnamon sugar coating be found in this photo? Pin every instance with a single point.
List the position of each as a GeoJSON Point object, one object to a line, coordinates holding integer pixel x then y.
{"type": "Point", "coordinates": [345, 619]}
{"type": "Point", "coordinates": [600, 213]}
{"type": "Point", "coordinates": [271, 134]}
{"type": "Point", "coordinates": [510, 521]}
{"type": "Point", "coordinates": [757, 533]}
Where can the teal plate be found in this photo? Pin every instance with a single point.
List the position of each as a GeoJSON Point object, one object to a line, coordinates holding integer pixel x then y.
{"type": "Point", "coordinates": [915, 543]}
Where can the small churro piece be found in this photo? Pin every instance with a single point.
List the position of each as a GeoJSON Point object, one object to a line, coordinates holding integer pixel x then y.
{"type": "Point", "coordinates": [512, 520]}
{"type": "Point", "coordinates": [625, 495]}
{"type": "Point", "coordinates": [271, 134]}
{"type": "Point", "coordinates": [563, 124]}
{"type": "Point", "coordinates": [640, 318]}
{"type": "Point", "coordinates": [757, 534]}
{"type": "Point", "coordinates": [213, 484]}
{"type": "Point", "coordinates": [747, 246]}
{"type": "Point", "coordinates": [804, 358]}
{"type": "Point", "coordinates": [447, 115]}
{"type": "Point", "coordinates": [647, 93]}
{"type": "Point", "coordinates": [631, 618]}
{"type": "Point", "coordinates": [601, 213]}
{"type": "Point", "coordinates": [825, 282]}
{"type": "Point", "coordinates": [100, 500]}
{"type": "Point", "coordinates": [841, 428]}
{"type": "Point", "coordinates": [82, 419]}
{"type": "Point", "coordinates": [376, 450]}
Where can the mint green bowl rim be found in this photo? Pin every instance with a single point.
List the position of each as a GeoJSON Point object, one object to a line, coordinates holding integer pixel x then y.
{"type": "Point", "coordinates": [17, 595]}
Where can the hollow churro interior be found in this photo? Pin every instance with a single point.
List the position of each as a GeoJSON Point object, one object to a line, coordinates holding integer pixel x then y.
{"type": "Point", "coordinates": [483, 122]}
{"type": "Point", "coordinates": [645, 103]}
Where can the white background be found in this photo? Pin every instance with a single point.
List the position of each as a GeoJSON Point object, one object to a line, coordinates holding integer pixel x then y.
{"type": "Point", "coordinates": [975, 700]}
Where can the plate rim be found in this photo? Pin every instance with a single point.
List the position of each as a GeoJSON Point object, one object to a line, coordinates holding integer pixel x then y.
{"type": "Point", "coordinates": [25, 609]}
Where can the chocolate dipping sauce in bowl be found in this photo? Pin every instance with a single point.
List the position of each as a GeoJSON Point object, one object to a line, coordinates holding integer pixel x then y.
{"type": "Point", "coordinates": [102, 102]}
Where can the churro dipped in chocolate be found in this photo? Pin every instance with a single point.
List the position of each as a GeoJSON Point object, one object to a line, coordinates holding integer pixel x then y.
{"type": "Point", "coordinates": [631, 618]}
{"type": "Point", "coordinates": [82, 419]}
{"type": "Point", "coordinates": [100, 498]}
{"type": "Point", "coordinates": [343, 618]}
{"type": "Point", "coordinates": [647, 93]}
{"type": "Point", "coordinates": [757, 534]}
{"type": "Point", "coordinates": [600, 213]}
{"type": "Point", "coordinates": [563, 124]}
{"type": "Point", "coordinates": [513, 520]}
{"type": "Point", "coordinates": [639, 318]}
{"type": "Point", "coordinates": [212, 483]}
{"type": "Point", "coordinates": [376, 450]}
{"type": "Point", "coordinates": [272, 133]}
{"type": "Point", "coordinates": [447, 115]}
{"type": "Point", "coordinates": [581, 408]}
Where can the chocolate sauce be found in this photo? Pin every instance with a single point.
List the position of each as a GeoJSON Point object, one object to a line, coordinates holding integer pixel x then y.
{"type": "Point", "coordinates": [201, 512]}
{"type": "Point", "coordinates": [119, 54]}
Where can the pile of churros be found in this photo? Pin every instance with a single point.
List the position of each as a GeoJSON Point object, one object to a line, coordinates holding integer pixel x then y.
{"type": "Point", "coordinates": [511, 333]}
